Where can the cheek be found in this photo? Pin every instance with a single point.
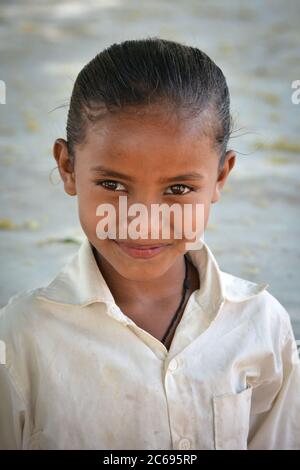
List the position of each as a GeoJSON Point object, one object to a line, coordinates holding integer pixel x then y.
{"type": "Point", "coordinates": [194, 217]}
{"type": "Point", "coordinates": [88, 196]}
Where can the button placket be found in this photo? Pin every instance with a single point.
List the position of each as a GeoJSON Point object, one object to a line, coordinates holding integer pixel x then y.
{"type": "Point", "coordinates": [173, 365]}
{"type": "Point", "coordinates": [183, 443]}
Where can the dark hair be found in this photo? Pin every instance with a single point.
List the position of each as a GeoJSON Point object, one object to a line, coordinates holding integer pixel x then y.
{"type": "Point", "coordinates": [139, 72]}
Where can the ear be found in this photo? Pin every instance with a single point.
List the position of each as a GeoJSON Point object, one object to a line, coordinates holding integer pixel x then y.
{"type": "Point", "coordinates": [223, 174]}
{"type": "Point", "coordinates": [65, 165]}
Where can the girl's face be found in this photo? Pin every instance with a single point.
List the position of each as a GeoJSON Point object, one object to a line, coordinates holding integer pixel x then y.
{"type": "Point", "coordinates": [150, 159]}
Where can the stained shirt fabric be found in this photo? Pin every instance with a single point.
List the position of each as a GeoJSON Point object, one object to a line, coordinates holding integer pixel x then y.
{"type": "Point", "coordinates": [77, 373]}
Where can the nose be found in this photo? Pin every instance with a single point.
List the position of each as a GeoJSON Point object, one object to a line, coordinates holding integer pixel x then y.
{"type": "Point", "coordinates": [148, 218]}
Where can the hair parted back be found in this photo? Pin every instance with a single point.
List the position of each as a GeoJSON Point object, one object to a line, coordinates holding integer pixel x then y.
{"type": "Point", "coordinates": [147, 71]}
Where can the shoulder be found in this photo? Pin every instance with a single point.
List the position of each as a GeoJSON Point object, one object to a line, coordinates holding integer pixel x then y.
{"type": "Point", "coordinates": [258, 305]}
{"type": "Point", "coordinates": [18, 324]}
{"type": "Point", "coordinates": [15, 313]}
{"type": "Point", "coordinates": [18, 319]}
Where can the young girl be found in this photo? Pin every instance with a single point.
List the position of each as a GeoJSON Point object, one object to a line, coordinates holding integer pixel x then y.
{"type": "Point", "coordinates": [139, 342]}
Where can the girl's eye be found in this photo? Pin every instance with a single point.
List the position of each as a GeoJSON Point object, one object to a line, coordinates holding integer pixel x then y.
{"type": "Point", "coordinates": [179, 188]}
{"type": "Point", "coordinates": [111, 185]}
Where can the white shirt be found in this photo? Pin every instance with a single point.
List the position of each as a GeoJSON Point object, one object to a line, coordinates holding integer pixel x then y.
{"type": "Point", "coordinates": [78, 373]}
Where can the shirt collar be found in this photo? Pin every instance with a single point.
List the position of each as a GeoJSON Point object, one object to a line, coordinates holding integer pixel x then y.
{"type": "Point", "coordinates": [80, 282]}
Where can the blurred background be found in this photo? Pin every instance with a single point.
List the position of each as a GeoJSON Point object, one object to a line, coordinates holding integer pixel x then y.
{"type": "Point", "coordinates": [254, 229]}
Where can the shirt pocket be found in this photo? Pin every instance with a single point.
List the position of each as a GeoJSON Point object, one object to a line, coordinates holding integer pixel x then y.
{"type": "Point", "coordinates": [231, 419]}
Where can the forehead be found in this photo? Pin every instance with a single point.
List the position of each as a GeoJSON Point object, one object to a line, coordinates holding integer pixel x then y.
{"type": "Point", "coordinates": [149, 139]}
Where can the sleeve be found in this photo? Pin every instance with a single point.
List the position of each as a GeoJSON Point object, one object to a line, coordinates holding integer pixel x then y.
{"type": "Point", "coordinates": [12, 413]}
{"type": "Point", "coordinates": [278, 428]}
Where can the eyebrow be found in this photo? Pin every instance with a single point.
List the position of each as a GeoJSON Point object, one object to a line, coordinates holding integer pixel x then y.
{"type": "Point", "coordinates": [109, 172]}
{"type": "Point", "coordinates": [187, 176]}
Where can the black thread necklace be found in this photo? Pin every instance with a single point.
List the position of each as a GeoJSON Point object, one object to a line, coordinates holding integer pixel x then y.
{"type": "Point", "coordinates": [186, 286]}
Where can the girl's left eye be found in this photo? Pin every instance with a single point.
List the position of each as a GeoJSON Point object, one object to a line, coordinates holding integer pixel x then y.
{"type": "Point", "coordinates": [180, 188]}
{"type": "Point", "coordinates": [110, 185]}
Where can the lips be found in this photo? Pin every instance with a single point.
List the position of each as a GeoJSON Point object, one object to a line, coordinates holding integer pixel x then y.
{"type": "Point", "coordinates": [140, 246]}
{"type": "Point", "coordinates": [141, 250]}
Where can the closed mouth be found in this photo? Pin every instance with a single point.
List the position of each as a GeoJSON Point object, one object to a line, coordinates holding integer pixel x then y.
{"type": "Point", "coordinates": [142, 251]}
{"type": "Point", "coordinates": [141, 246]}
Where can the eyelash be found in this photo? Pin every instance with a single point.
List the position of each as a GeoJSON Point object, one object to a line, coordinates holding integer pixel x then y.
{"type": "Point", "coordinates": [100, 183]}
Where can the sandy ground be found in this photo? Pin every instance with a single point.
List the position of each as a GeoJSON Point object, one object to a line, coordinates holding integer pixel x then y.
{"type": "Point", "coordinates": [254, 229]}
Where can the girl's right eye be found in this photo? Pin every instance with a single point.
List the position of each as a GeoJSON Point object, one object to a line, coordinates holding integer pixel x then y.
{"type": "Point", "coordinates": [110, 185]}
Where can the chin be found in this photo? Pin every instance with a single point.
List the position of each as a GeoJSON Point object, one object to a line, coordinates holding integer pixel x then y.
{"type": "Point", "coordinates": [140, 268]}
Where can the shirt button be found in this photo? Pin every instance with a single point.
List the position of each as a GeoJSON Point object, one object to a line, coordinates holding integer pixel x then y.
{"type": "Point", "coordinates": [184, 444]}
{"type": "Point", "coordinates": [173, 365]}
